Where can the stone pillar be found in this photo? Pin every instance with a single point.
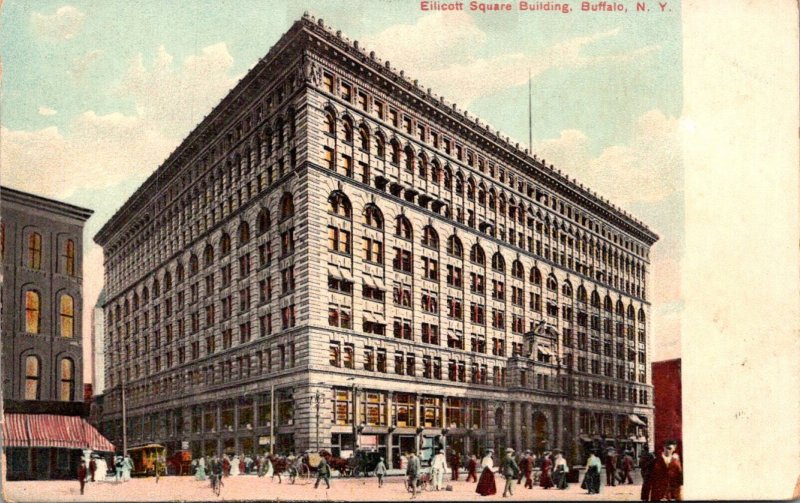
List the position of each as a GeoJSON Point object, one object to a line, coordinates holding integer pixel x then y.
{"type": "Point", "coordinates": [517, 423]}
{"type": "Point", "coordinates": [218, 426]}
{"type": "Point", "coordinates": [559, 438]}
{"type": "Point", "coordinates": [527, 415]}
{"type": "Point", "coordinates": [444, 413]}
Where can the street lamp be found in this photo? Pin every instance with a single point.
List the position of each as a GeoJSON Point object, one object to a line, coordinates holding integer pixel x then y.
{"type": "Point", "coordinates": [354, 390]}
{"type": "Point", "coordinates": [318, 399]}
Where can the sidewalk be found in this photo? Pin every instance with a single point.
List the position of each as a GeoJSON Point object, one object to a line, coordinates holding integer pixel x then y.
{"type": "Point", "coordinates": [247, 487]}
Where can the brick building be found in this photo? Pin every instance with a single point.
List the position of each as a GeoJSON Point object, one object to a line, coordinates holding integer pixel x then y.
{"type": "Point", "coordinates": [41, 242]}
{"type": "Point", "coordinates": [668, 413]}
{"type": "Point", "coordinates": [340, 250]}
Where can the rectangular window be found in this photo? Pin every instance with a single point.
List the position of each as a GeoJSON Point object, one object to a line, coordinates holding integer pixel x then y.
{"type": "Point", "coordinates": [402, 260]}
{"type": "Point", "coordinates": [373, 250]}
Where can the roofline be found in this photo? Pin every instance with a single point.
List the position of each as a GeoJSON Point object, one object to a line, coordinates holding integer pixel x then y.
{"type": "Point", "coordinates": [20, 197]}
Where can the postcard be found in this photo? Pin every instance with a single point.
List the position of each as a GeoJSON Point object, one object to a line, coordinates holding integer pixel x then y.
{"type": "Point", "coordinates": [390, 250]}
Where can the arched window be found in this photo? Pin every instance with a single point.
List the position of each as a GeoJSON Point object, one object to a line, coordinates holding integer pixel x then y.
{"type": "Point", "coordinates": [395, 146]}
{"type": "Point", "coordinates": [135, 301]}
{"type": "Point", "coordinates": [517, 270]}
{"type": "Point", "coordinates": [581, 294]}
{"type": "Point", "coordinates": [552, 283]}
{"type": "Point", "coordinates": [409, 154]}
{"type": "Point", "coordinates": [67, 316]}
{"type": "Point", "coordinates": [244, 233]}
{"type": "Point", "coordinates": [126, 307]}
{"type": "Point", "coordinates": [477, 255]}
{"type": "Point", "coordinates": [403, 228]}
{"type": "Point", "coordinates": [448, 179]}
{"type": "Point", "coordinates": [145, 295]}
{"type": "Point", "coordinates": [620, 308]}
{"type": "Point", "coordinates": [436, 172]}
{"type": "Point", "coordinates": [536, 276]}
{"type": "Point", "coordinates": [492, 200]}
{"type": "Point", "coordinates": [631, 312]}
{"type": "Point", "coordinates": [607, 304]}
{"type": "Point", "coordinates": [69, 257]}
{"type": "Point", "coordinates": [380, 146]}
{"type": "Point", "coordinates": [364, 137]}
{"type": "Point", "coordinates": [454, 247]}
{"type": "Point", "coordinates": [459, 184]}
{"type": "Point", "coordinates": [338, 204]}
{"type": "Point", "coordinates": [35, 251]}
{"type": "Point", "coordinates": [470, 189]}
{"type": "Point", "coordinates": [330, 122]}
{"type": "Point", "coordinates": [167, 281]}
{"type": "Point", "coordinates": [641, 315]}
{"type": "Point", "coordinates": [156, 288]}
{"type": "Point", "coordinates": [33, 312]}
{"type": "Point", "coordinates": [263, 221]}
{"type": "Point", "coordinates": [224, 244]}
{"type": "Point", "coordinates": [287, 206]}
{"type": "Point", "coordinates": [208, 255]}
{"type": "Point", "coordinates": [373, 217]}
{"type": "Point", "coordinates": [498, 418]}
{"type": "Point", "coordinates": [179, 273]}
{"type": "Point", "coordinates": [429, 237]}
{"type": "Point", "coordinates": [33, 374]}
{"type": "Point", "coordinates": [498, 262]}
{"type": "Point", "coordinates": [481, 195]}
{"type": "Point", "coordinates": [595, 299]}
{"type": "Point", "coordinates": [347, 129]}
{"type": "Point", "coordinates": [422, 164]}
{"type": "Point", "coordinates": [194, 264]}
{"type": "Point", "coordinates": [566, 289]}
{"type": "Point", "coordinates": [67, 391]}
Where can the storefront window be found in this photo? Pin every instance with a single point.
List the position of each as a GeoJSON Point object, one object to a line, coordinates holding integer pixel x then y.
{"type": "Point", "coordinates": [285, 408]}
{"type": "Point", "coordinates": [373, 409]}
{"type": "Point", "coordinates": [431, 408]}
{"type": "Point", "coordinates": [404, 409]}
{"type": "Point", "coordinates": [456, 413]}
{"type": "Point", "coordinates": [226, 416]}
{"type": "Point", "coordinates": [342, 406]}
{"type": "Point", "coordinates": [476, 408]}
{"type": "Point", "coordinates": [210, 420]}
{"type": "Point", "coordinates": [264, 410]}
{"type": "Point", "coordinates": [245, 413]}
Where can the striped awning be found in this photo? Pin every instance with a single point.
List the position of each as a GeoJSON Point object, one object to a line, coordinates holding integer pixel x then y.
{"type": "Point", "coordinates": [51, 430]}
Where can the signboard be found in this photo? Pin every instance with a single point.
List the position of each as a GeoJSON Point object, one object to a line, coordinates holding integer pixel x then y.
{"type": "Point", "coordinates": [264, 440]}
{"type": "Point", "coordinates": [185, 445]}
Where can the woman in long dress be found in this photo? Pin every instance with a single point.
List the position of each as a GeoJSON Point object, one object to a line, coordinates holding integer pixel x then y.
{"type": "Point", "coordinates": [200, 470]}
{"type": "Point", "coordinates": [101, 472]}
{"type": "Point", "coordinates": [269, 470]}
{"type": "Point", "coordinates": [560, 472]}
{"type": "Point", "coordinates": [591, 481]}
{"type": "Point", "coordinates": [545, 479]}
{"type": "Point", "coordinates": [235, 466]}
{"type": "Point", "coordinates": [486, 484]}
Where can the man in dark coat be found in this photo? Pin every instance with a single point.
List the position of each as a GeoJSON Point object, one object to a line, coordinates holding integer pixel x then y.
{"type": "Point", "coordinates": [472, 469]}
{"type": "Point", "coordinates": [627, 468]}
{"type": "Point", "coordinates": [666, 477]}
{"type": "Point", "coordinates": [526, 469]}
{"type": "Point", "coordinates": [455, 464]}
{"type": "Point", "coordinates": [92, 468]}
{"type": "Point", "coordinates": [82, 474]}
{"type": "Point", "coordinates": [323, 473]}
{"type": "Point", "coordinates": [611, 467]}
{"type": "Point", "coordinates": [646, 467]}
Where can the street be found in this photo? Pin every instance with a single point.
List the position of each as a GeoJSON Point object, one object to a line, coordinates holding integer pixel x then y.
{"type": "Point", "coordinates": [250, 487]}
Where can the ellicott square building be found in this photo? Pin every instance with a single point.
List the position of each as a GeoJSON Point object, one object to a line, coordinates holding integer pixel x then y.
{"type": "Point", "coordinates": [338, 258]}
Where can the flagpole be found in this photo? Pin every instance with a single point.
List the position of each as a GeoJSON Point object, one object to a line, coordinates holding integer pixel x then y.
{"type": "Point", "coordinates": [530, 115]}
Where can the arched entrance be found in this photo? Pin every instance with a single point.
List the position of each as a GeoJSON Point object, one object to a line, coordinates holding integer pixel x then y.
{"type": "Point", "coordinates": [541, 437]}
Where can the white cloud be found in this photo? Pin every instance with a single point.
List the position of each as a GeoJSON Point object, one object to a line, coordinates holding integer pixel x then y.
{"type": "Point", "coordinates": [46, 111]}
{"type": "Point", "coordinates": [177, 98]}
{"type": "Point", "coordinates": [645, 170]}
{"type": "Point", "coordinates": [63, 24]}
{"type": "Point", "coordinates": [439, 46]}
{"type": "Point", "coordinates": [82, 64]}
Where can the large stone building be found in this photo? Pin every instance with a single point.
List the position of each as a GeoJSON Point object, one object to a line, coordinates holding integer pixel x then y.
{"type": "Point", "coordinates": [41, 242]}
{"type": "Point", "coordinates": [339, 249]}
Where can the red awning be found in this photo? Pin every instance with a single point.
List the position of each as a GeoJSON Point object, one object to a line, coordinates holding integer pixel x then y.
{"type": "Point", "coordinates": [15, 430]}
{"type": "Point", "coordinates": [50, 430]}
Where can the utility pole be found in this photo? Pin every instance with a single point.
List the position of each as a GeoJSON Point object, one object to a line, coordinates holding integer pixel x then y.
{"type": "Point", "coordinates": [272, 420]}
{"type": "Point", "coordinates": [123, 384]}
{"type": "Point", "coordinates": [317, 398]}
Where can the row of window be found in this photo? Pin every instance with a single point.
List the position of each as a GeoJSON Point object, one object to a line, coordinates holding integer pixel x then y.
{"type": "Point", "coordinates": [33, 252]}
{"type": "Point", "coordinates": [33, 313]}
{"type": "Point", "coordinates": [426, 134]}
{"type": "Point", "coordinates": [33, 379]}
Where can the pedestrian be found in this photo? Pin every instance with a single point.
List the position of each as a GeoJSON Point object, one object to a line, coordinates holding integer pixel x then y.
{"type": "Point", "coordinates": [455, 464]}
{"type": "Point", "coordinates": [611, 467]}
{"type": "Point", "coordinates": [486, 484]}
{"type": "Point", "coordinates": [560, 470]}
{"type": "Point", "coordinates": [591, 481]}
{"type": "Point", "coordinates": [646, 461]}
{"type": "Point", "coordinates": [472, 468]}
{"type": "Point", "coordinates": [380, 471]}
{"type": "Point", "coordinates": [242, 465]}
{"type": "Point", "coordinates": [118, 468]}
{"type": "Point", "coordinates": [82, 474]}
{"type": "Point", "coordinates": [412, 472]}
{"type": "Point", "coordinates": [127, 466]}
{"type": "Point", "coordinates": [510, 471]}
{"type": "Point", "coordinates": [627, 468]}
{"type": "Point", "coordinates": [546, 479]}
{"type": "Point", "coordinates": [526, 469]}
{"type": "Point", "coordinates": [102, 469]}
{"type": "Point", "coordinates": [92, 467]}
{"type": "Point", "coordinates": [666, 478]}
{"type": "Point", "coordinates": [200, 469]}
{"type": "Point", "coordinates": [438, 467]}
{"type": "Point", "coordinates": [323, 473]}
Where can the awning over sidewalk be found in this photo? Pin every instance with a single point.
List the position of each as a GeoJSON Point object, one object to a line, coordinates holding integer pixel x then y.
{"type": "Point", "coordinates": [50, 430]}
{"type": "Point", "coordinates": [636, 420]}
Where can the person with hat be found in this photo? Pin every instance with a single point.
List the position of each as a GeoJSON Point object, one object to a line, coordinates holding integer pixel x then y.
{"type": "Point", "coordinates": [82, 473]}
{"type": "Point", "coordinates": [526, 469]}
{"type": "Point", "coordinates": [472, 468]}
{"type": "Point", "coordinates": [591, 481]}
{"type": "Point", "coordinates": [611, 467]}
{"type": "Point", "coordinates": [486, 484]}
{"type": "Point", "coordinates": [323, 473]}
{"type": "Point", "coordinates": [546, 479]}
{"type": "Point", "coordinates": [646, 462]}
{"type": "Point", "coordinates": [510, 471]}
{"type": "Point", "coordinates": [560, 470]}
{"type": "Point", "coordinates": [666, 478]}
{"type": "Point", "coordinates": [380, 471]}
{"type": "Point", "coordinates": [455, 464]}
{"type": "Point", "coordinates": [627, 468]}
{"type": "Point", "coordinates": [92, 467]}
{"type": "Point", "coordinates": [413, 468]}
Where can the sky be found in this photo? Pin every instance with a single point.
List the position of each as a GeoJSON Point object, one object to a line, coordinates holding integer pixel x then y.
{"type": "Point", "coordinates": [95, 95]}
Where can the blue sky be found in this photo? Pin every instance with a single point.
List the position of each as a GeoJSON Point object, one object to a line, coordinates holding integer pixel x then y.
{"type": "Point", "coordinates": [96, 94]}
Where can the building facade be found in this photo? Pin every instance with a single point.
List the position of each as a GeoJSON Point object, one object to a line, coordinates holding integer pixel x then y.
{"type": "Point", "coordinates": [338, 258]}
{"type": "Point", "coordinates": [41, 242]}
